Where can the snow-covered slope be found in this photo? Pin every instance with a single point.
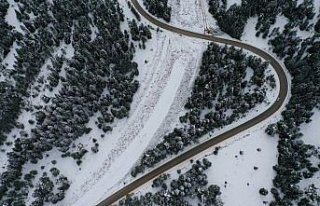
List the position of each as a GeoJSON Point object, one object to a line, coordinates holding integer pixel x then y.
{"type": "Point", "coordinates": [167, 68]}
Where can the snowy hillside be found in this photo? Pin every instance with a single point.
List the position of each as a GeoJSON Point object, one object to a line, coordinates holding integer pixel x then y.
{"type": "Point", "coordinates": [243, 166]}
{"type": "Point", "coordinates": [94, 96]}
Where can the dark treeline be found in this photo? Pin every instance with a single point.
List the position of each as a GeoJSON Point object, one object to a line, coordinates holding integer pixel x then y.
{"type": "Point", "coordinates": [233, 20]}
{"type": "Point", "coordinates": [158, 8]}
{"type": "Point", "coordinates": [188, 189]}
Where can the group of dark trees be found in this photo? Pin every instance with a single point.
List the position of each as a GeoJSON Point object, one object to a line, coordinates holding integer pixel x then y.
{"type": "Point", "coordinates": [301, 56]}
{"type": "Point", "coordinates": [8, 94]}
{"type": "Point", "coordinates": [221, 95]}
{"type": "Point", "coordinates": [103, 63]}
{"type": "Point", "coordinates": [158, 8]}
{"type": "Point", "coordinates": [302, 59]}
{"type": "Point", "coordinates": [134, 11]}
{"type": "Point", "coordinates": [7, 35]}
{"type": "Point", "coordinates": [188, 189]}
{"type": "Point", "coordinates": [233, 20]}
{"type": "Point", "coordinates": [139, 33]}
{"type": "Point", "coordinates": [45, 189]}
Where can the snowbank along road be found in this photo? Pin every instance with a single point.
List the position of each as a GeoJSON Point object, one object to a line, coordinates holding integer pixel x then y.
{"type": "Point", "coordinates": [279, 68]}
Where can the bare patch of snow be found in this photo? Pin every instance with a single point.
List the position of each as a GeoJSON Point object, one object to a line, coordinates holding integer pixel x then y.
{"type": "Point", "coordinates": [11, 17]}
{"type": "Point", "coordinates": [10, 59]}
{"type": "Point", "coordinates": [232, 2]}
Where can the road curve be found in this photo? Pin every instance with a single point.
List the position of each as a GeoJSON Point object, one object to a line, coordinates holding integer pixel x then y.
{"type": "Point", "coordinates": [280, 70]}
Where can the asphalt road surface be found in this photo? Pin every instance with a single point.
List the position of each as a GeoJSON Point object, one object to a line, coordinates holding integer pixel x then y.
{"type": "Point", "coordinates": [280, 70]}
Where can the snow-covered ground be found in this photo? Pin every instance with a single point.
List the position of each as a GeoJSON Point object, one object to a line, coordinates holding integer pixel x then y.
{"type": "Point", "coordinates": [167, 68]}
{"type": "Point", "coordinates": [232, 2]}
{"type": "Point", "coordinates": [233, 172]}
{"type": "Point", "coordinates": [238, 170]}
{"type": "Point", "coordinates": [11, 17]}
{"type": "Point", "coordinates": [10, 58]}
{"type": "Point", "coordinates": [186, 14]}
{"type": "Point", "coordinates": [189, 14]}
{"type": "Point", "coordinates": [311, 130]}
{"type": "Point", "coordinates": [249, 34]}
{"type": "Point", "coordinates": [168, 77]}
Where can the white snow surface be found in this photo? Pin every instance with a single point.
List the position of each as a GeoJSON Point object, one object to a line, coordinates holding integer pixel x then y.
{"type": "Point", "coordinates": [232, 2]}
{"type": "Point", "coordinates": [11, 17]}
{"type": "Point", "coordinates": [10, 58]}
{"type": "Point", "coordinates": [187, 14]}
{"type": "Point", "coordinates": [311, 130]}
{"type": "Point", "coordinates": [249, 34]}
{"type": "Point", "coordinates": [171, 67]}
{"type": "Point", "coordinates": [167, 69]}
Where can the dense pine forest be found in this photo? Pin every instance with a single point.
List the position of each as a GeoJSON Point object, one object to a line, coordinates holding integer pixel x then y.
{"type": "Point", "coordinates": [158, 8]}
{"type": "Point", "coordinates": [76, 71]}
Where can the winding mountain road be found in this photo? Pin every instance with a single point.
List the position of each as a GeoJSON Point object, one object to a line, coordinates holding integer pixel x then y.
{"type": "Point", "coordinates": [280, 70]}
